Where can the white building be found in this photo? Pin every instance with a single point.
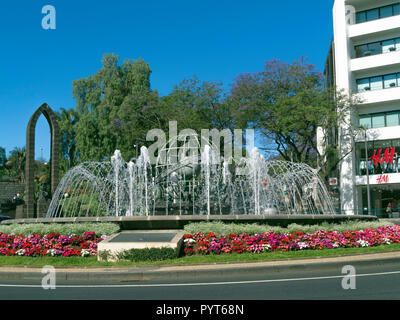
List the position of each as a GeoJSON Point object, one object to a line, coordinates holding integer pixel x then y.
{"type": "Point", "coordinates": [365, 59]}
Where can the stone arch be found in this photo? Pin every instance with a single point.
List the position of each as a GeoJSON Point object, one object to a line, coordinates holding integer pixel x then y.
{"type": "Point", "coordinates": [30, 155]}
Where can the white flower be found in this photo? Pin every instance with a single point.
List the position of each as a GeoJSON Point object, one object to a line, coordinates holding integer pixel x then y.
{"type": "Point", "coordinates": [302, 245]}
{"type": "Point", "coordinates": [363, 243]}
{"type": "Point", "coordinates": [20, 252]}
{"type": "Point", "coordinates": [85, 253]}
{"type": "Point", "coordinates": [266, 246]}
{"type": "Point", "coordinates": [387, 241]}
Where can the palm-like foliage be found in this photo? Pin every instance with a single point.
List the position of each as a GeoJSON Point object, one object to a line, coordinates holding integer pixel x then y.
{"type": "Point", "coordinates": [16, 163]}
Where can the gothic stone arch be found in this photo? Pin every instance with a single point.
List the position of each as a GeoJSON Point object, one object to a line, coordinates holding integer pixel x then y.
{"type": "Point", "coordinates": [30, 156]}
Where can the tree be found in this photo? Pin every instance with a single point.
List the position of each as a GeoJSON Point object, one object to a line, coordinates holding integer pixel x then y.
{"type": "Point", "coordinates": [3, 160]}
{"type": "Point", "coordinates": [111, 106]}
{"type": "Point", "coordinates": [116, 108]}
{"type": "Point", "coordinates": [192, 104]}
{"type": "Point", "coordinates": [3, 157]}
{"type": "Point", "coordinates": [68, 120]}
{"type": "Point", "coordinates": [16, 163]}
{"type": "Point", "coordinates": [288, 103]}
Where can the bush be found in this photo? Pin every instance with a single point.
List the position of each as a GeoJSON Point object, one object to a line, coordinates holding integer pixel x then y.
{"type": "Point", "coordinates": [148, 254]}
{"type": "Point", "coordinates": [64, 229]}
{"type": "Point", "coordinates": [220, 228]}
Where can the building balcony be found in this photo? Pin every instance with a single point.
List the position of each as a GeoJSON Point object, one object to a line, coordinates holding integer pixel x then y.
{"type": "Point", "coordinates": [379, 96]}
{"type": "Point", "coordinates": [366, 29]}
{"type": "Point", "coordinates": [375, 62]}
{"type": "Point", "coordinates": [377, 134]}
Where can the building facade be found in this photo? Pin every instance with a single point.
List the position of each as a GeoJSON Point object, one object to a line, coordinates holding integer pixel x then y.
{"type": "Point", "coordinates": [364, 60]}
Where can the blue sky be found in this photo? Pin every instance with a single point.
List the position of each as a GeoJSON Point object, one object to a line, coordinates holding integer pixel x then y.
{"type": "Point", "coordinates": [213, 40]}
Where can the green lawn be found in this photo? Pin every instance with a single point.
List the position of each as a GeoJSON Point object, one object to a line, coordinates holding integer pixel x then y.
{"type": "Point", "coordinates": [247, 257]}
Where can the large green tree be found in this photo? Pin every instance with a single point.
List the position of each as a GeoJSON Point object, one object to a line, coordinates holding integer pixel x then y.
{"type": "Point", "coordinates": [111, 106]}
{"type": "Point", "coordinates": [116, 107]}
{"type": "Point", "coordinates": [287, 103]}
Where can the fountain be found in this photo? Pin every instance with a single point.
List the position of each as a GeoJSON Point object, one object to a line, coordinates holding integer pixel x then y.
{"type": "Point", "coordinates": [190, 179]}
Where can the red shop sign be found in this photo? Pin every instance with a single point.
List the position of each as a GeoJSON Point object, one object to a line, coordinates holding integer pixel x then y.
{"type": "Point", "coordinates": [383, 179]}
{"type": "Point", "coordinates": [387, 157]}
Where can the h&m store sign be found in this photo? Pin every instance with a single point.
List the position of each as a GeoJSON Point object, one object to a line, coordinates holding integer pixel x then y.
{"type": "Point", "coordinates": [380, 157]}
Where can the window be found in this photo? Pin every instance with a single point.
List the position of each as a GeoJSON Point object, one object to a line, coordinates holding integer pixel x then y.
{"type": "Point", "coordinates": [392, 119]}
{"type": "Point", "coordinates": [378, 13]}
{"type": "Point", "coordinates": [388, 46]}
{"type": "Point", "coordinates": [379, 82]}
{"type": "Point", "coordinates": [372, 14]}
{"type": "Point", "coordinates": [390, 81]}
{"type": "Point", "coordinates": [386, 12]}
{"type": "Point", "coordinates": [378, 120]}
{"type": "Point", "coordinates": [365, 121]}
{"type": "Point", "coordinates": [363, 85]}
{"type": "Point", "coordinates": [379, 168]}
{"type": "Point", "coordinates": [376, 83]}
{"type": "Point", "coordinates": [374, 48]}
{"type": "Point", "coordinates": [396, 9]}
{"type": "Point", "coordinates": [360, 50]}
{"type": "Point", "coordinates": [361, 17]}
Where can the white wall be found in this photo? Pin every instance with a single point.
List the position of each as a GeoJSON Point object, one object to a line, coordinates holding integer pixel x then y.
{"type": "Point", "coordinates": [343, 81]}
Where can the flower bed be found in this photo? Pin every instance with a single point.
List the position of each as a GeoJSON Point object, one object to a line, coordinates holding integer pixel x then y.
{"type": "Point", "coordinates": [53, 244]}
{"type": "Point", "coordinates": [203, 244]}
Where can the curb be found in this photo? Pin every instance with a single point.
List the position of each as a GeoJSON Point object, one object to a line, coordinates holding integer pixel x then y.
{"type": "Point", "coordinates": [200, 272]}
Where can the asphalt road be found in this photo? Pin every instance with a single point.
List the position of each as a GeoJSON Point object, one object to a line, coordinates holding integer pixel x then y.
{"type": "Point", "coordinates": [373, 281]}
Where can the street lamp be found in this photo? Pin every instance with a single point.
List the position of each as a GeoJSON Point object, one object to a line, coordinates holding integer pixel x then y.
{"type": "Point", "coordinates": [367, 168]}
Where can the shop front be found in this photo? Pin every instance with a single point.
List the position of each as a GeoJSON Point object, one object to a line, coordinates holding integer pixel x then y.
{"type": "Point", "coordinates": [383, 179]}
{"type": "Point", "coordinates": [382, 198]}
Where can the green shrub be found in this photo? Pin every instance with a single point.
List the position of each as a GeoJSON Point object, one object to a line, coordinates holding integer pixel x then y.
{"type": "Point", "coordinates": [67, 229]}
{"type": "Point", "coordinates": [148, 254]}
{"type": "Point", "coordinates": [225, 228]}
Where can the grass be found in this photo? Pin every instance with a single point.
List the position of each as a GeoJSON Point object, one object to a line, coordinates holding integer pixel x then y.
{"type": "Point", "coordinates": [190, 260]}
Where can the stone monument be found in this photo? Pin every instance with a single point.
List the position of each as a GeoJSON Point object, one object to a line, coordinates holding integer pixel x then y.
{"type": "Point", "coordinates": [30, 156]}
